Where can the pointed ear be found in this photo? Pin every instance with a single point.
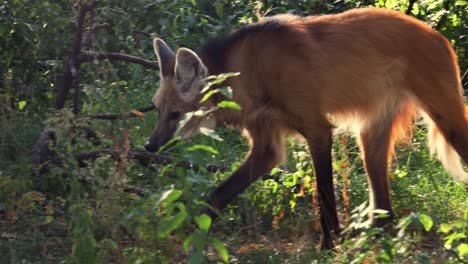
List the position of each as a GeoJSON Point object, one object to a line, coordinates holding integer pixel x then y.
{"type": "Point", "coordinates": [190, 73]}
{"type": "Point", "coordinates": [166, 57]}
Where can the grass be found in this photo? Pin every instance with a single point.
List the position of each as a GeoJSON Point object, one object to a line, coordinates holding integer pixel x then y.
{"type": "Point", "coordinates": [274, 221]}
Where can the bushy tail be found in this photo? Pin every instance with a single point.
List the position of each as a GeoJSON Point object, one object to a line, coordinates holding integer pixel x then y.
{"type": "Point", "coordinates": [445, 152]}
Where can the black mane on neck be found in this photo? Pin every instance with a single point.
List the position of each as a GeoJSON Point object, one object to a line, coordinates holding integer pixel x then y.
{"type": "Point", "coordinates": [215, 52]}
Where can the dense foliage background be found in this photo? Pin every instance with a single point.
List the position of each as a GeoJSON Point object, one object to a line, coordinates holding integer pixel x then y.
{"type": "Point", "coordinates": [66, 211]}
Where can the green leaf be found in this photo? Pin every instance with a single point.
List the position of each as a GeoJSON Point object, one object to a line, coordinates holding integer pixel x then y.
{"type": "Point", "coordinates": [170, 224]}
{"type": "Point", "coordinates": [84, 244]}
{"type": "Point", "coordinates": [217, 79]}
{"type": "Point", "coordinates": [380, 213]}
{"type": "Point", "coordinates": [219, 8]}
{"type": "Point", "coordinates": [187, 243]}
{"type": "Point", "coordinates": [168, 197]}
{"type": "Point", "coordinates": [21, 104]}
{"type": "Point", "coordinates": [223, 253]}
{"type": "Point", "coordinates": [461, 3]}
{"type": "Point", "coordinates": [184, 121]}
{"type": "Point", "coordinates": [404, 223]}
{"type": "Point", "coordinates": [107, 243]}
{"type": "Point", "coordinates": [271, 184]}
{"type": "Point", "coordinates": [445, 228]}
{"type": "Point", "coordinates": [203, 147]}
{"type": "Point", "coordinates": [462, 249]}
{"type": "Point", "coordinates": [200, 113]}
{"type": "Point", "coordinates": [204, 222]}
{"type": "Point", "coordinates": [226, 91]}
{"type": "Point", "coordinates": [415, 10]}
{"type": "Point", "coordinates": [211, 133]}
{"type": "Point", "coordinates": [208, 95]}
{"type": "Point", "coordinates": [424, 258]}
{"type": "Point", "coordinates": [196, 258]}
{"type": "Point", "coordinates": [229, 104]}
{"type": "Point", "coordinates": [391, 3]}
{"type": "Point", "coordinates": [453, 237]}
{"type": "Point", "coordinates": [426, 221]}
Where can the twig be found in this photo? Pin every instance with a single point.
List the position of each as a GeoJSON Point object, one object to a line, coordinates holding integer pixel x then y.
{"type": "Point", "coordinates": [90, 56]}
{"type": "Point", "coordinates": [443, 18]}
{"type": "Point", "coordinates": [73, 66]}
{"type": "Point", "coordinates": [464, 79]}
{"type": "Point", "coordinates": [76, 89]}
{"type": "Point", "coordinates": [145, 159]}
{"type": "Point", "coordinates": [88, 36]}
{"type": "Point", "coordinates": [142, 33]}
{"type": "Point", "coordinates": [410, 6]}
{"type": "Point", "coordinates": [99, 27]}
{"type": "Point", "coordinates": [133, 189]}
{"type": "Point", "coordinates": [143, 109]}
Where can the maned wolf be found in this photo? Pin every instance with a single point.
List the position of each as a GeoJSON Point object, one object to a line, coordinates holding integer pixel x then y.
{"type": "Point", "coordinates": [367, 70]}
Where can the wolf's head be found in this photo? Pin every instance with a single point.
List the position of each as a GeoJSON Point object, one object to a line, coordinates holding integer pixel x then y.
{"type": "Point", "coordinates": [182, 76]}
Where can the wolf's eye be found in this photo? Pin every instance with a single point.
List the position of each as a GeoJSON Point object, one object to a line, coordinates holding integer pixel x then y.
{"type": "Point", "coordinates": [174, 115]}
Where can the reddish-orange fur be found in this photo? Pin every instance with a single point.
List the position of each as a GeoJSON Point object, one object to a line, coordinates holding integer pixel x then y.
{"type": "Point", "coordinates": [366, 70]}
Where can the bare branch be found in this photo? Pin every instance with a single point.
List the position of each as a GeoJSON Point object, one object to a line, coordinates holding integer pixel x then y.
{"type": "Point", "coordinates": [99, 27]}
{"type": "Point", "coordinates": [410, 6]}
{"type": "Point", "coordinates": [144, 33]}
{"type": "Point", "coordinates": [144, 158]}
{"type": "Point", "coordinates": [143, 109]}
{"type": "Point", "coordinates": [73, 66]}
{"type": "Point", "coordinates": [88, 36]}
{"type": "Point", "coordinates": [443, 18]}
{"type": "Point", "coordinates": [133, 189]}
{"type": "Point", "coordinates": [77, 90]}
{"type": "Point", "coordinates": [464, 80]}
{"type": "Point", "coordinates": [89, 56]}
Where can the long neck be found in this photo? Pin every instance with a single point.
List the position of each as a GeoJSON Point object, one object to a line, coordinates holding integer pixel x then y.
{"type": "Point", "coordinates": [216, 56]}
{"type": "Point", "coordinates": [217, 65]}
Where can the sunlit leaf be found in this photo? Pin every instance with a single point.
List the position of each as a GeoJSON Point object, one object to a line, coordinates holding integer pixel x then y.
{"type": "Point", "coordinates": [426, 221]}
{"type": "Point", "coordinates": [208, 95]}
{"type": "Point", "coordinates": [211, 133]}
{"type": "Point", "coordinates": [168, 196]}
{"type": "Point", "coordinates": [203, 221]}
{"type": "Point", "coordinates": [217, 79]}
{"type": "Point", "coordinates": [21, 104]}
{"type": "Point", "coordinates": [223, 253]}
{"type": "Point", "coordinates": [229, 104]}
{"type": "Point", "coordinates": [184, 121]}
{"type": "Point", "coordinates": [462, 249]}
{"type": "Point", "coordinates": [445, 228]}
{"type": "Point", "coordinates": [380, 213]}
{"type": "Point", "coordinates": [461, 3]}
{"type": "Point", "coordinates": [203, 147]}
{"type": "Point", "coordinates": [187, 243]}
{"type": "Point", "coordinates": [453, 237]}
{"type": "Point", "coordinates": [415, 10]}
{"type": "Point", "coordinates": [170, 224]}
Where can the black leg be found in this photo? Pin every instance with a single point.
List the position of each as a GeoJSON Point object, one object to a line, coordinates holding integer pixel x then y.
{"type": "Point", "coordinates": [320, 145]}
{"type": "Point", "coordinates": [265, 153]}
